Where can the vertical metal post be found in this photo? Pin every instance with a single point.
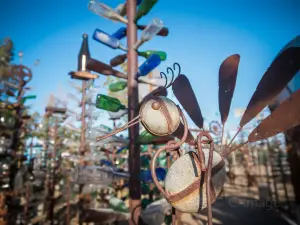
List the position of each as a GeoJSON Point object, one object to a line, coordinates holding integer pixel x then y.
{"type": "Point", "coordinates": [27, 197]}
{"type": "Point", "coordinates": [133, 102]}
{"type": "Point", "coordinates": [46, 148]}
{"type": "Point", "coordinates": [14, 146]}
{"type": "Point", "coordinates": [68, 184]}
{"type": "Point", "coordinates": [52, 176]}
{"type": "Point", "coordinates": [271, 158]}
{"type": "Point", "coordinates": [283, 177]}
{"type": "Point", "coordinates": [266, 163]}
{"type": "Point", "coordinates": [82, 137]}
{"type": "Point", "coordinates": [82, 145]}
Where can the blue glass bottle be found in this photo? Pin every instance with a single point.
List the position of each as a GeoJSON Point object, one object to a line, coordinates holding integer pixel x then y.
{"type": "Point", "coordinates": [120, 33]}
{"type": "Point", "coordinates": [151, 63]}
{"type": "Point", "coordinates": [145, 175]}
{"type": "Point", "coordinates": [161, 173]}
{"type": "Point", "coordinates": [122, 150]}
{"type": "Point", "coordinates": [105, 162]}
{"type": "Point", "coordinates": [106, 39]}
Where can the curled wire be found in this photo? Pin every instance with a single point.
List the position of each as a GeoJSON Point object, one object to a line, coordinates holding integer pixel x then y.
{"type": "Point", "coordinates": [170, 71]}
{"type": "Point", "coordinates": [165, 76]}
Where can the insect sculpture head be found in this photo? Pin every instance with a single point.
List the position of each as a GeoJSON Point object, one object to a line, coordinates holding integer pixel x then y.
{"type": "Point", "coordinates": [195, 179]}
{"type": "Point", "coordinates": [158, 114]}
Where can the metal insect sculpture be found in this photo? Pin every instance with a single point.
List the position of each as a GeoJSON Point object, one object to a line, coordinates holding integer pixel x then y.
{"type": "Point", "coordinates": [195, 179]}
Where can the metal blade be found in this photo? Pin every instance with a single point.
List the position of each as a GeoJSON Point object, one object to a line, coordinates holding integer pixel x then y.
{"type": "Point", "coordinates": [283, 118]}
{"type": "Point", "coordinates": [278, 75]}
{"type": "Point", "coordinates": [227, 79]}
{"type": "Point", "coordinates": [184, 93]}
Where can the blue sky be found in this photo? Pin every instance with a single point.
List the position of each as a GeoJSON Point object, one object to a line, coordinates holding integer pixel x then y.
{"type": "Point", "coordinates": [202, 35]}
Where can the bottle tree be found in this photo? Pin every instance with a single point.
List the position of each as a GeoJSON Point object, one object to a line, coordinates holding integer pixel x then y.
{"type": "Point", "coordinates": [155, 27]}
{"type": "Point", "coordinates": [14, 80]}
{"type": "Point", "coordinates": [83, 74]}
{"type": "Point", "coordinates": [6, 56]}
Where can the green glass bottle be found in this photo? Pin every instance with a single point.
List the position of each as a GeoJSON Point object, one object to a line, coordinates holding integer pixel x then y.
{"type": "Point", "coordinates": [162, 162]}
{"type": "Point", "coordinates": [145, 202]}
{"type": "Point", "coordinates": [121, 161]}
{"type": "Point", "coordinates": [117, 205]}
{"type": "Point", "coordinates": [162, 55]}
{"type": "Point", "coordinates": [145, 161]}
{"type": "Point", "coordinates": [118, 86]}
{"type": "Point", "coordinates": [145, 137]}
{"type": "Point", "coordinates": [108, 129]}
{"type": "Point", "coordinates": [108, 103]}
{"type": "Point", "coordinates": [144, 8]}
{"type": "Point", "coordinates": [144, 148]}
{"type": "Point", "coordinates": [145, 189]}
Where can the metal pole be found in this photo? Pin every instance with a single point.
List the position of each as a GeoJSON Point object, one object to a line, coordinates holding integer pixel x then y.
{"type": "Point", "coordinates": [45, 159]}
{"type": "Point", "coordinates": [53, 175]}
{"type": "Point", "coordinates": [16, 140]}
{"type": "Point", "coordinates": [283, 177]}
{"type": "Point", "coordinates": [68, 184]}
{"type": "Point", "coordinates": [28, 189]}
{"type": "Point", "coordinates": [82, 137]}
{"type": "Point", "coordinates": [133, 102]}
{"type": "Point", "coordinates": [82, 145]}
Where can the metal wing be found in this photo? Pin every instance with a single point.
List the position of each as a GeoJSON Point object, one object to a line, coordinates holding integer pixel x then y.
{"type": "Point", "coordinates": [283, 118]}
{"type": "Point", "coordinates": [227, 79]}
{"type": "Point", "coordinates": [183, 91]}
{"type": "Point", "coordinates": [278, 75]}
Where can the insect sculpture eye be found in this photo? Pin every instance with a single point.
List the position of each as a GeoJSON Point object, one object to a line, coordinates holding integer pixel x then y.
{"type": "Point", "coordinates": [160, 116]}
{"type": "Point", "coordinates": [156, 105]}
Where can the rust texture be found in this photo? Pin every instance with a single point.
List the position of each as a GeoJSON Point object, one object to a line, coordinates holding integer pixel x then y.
{"type": "Point", "coordinates": [277, 76]}
{"type": "Point", "coordinates": [133, 105]}
{"type": "Point", "coordinates": [174, 146]}
{"type": "Point", "coordinates": [184, 93]}
{"type": "Point", "coordinates": [227, 79]}
{"type": "Point", "coordinates": [285, 117]}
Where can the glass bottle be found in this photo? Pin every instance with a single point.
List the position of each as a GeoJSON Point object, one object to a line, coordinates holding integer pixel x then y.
{"type": "Point", "coordinates": [147, 54]}
{"type": "Point", "coordinates": [103, 10]}
{"type": "Point", "coordinates": [144, 7]}
{"type": "Point", "coordinates": [108, 103]}
{"type": "Point", "coordinates": [118, 86]}
{"type": "Point", "coordinates": [84, 54]}
{"type": "Point", "coordinates": [151, 63]}
{"type": "Point", "coordinates": [118, 60]}
{"type": "Point", "coordinates": [96, 175]}
{"type": "Point", "coordinates": [151, 29]}
{"type": "Point", "coordinates": [145, 161]}
{"type": "Point", "coordinates": [106, 39]}
{"type": "Point", "coordinates": [145, 137]}
{"type": "Point", "coordinates": [120, 33]}
{"type": "Point", "coordinates": [117, 204]}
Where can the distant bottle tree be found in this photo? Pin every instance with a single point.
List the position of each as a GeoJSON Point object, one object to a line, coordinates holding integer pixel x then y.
{"type": "Point", "coordinates": [6, 56]}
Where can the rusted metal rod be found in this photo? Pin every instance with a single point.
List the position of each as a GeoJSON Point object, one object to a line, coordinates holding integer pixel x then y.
{"type": "Point", "coordinates": [52, 179]}
{"type": "Point", "coordinates": [28, 189]}
{"type": "Point", "coordinates": [133, 102]}
{"type": "Point", "coordinates": [68, 184]}
{"type": "Point", "coordinates": [82, 146]}
{"type": "Point", "coordinates": [20, 70]}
